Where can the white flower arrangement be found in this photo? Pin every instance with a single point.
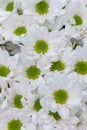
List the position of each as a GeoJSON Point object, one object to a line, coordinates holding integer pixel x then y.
{"type": "Point", "coordinates": [43, 65]}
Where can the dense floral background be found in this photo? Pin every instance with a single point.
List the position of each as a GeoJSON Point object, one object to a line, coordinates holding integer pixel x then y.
{"type": "Point", "coordinates": [43, 64]}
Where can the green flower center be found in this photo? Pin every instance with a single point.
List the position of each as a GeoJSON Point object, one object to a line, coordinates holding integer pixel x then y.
{"type": "Point", "coordinates": [17, 101]}
{"type": "Point", "coordinates": [0, 90]}
{"type": "Point", "coordinates": [4, 71]}
{"type": "Point", "coordinates": [41, 46]}
{"type": "Point", "coordinates": [37, 105]}
{"type": "Point", "coordinates": [49, 30]}
{"type": "Point", "coordinates": [55, 115]}
{"type": "Point", "coordinates": [20, 31]}
{"type": "Point", "coordinates": [58, 65]}
{"type": "Point", "coordinates": [60, 96]}
{"type": "Point", "coordinates": [42, 7]}
{"type": "Point", "coordinates": [81, 67]}
{"type": "Point", "coordinates": [33, 72]}
{"type": "Point", "coordinates": [10, 7]}
{"type": "Point", "coordinates": [14, 125]}
{"type": "Point", "coordinates": [78, 20]}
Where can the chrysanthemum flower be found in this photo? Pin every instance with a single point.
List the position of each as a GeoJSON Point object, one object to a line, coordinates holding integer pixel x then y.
{"type": "Point", "coordinates": [42, 10]}
{"type": "Point", "coordinates": [61, 94]}
{"type": "Point", "coordinates": [7, 66]}
{"type": "Point", "coordinates": [78, 63]}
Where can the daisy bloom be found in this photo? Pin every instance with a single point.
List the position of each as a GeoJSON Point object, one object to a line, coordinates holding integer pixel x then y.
{"type": "Point", "coordinates": [7, 66]}
{"type": "Point", "coordinates": [76, 19]}
{"type": "Point", "coordinates": [42, 10]}
{"type": "Point", "coordinates": [42, 43]}
{"type": "Point", "coordinates": [78, 63]}
{"type": "Point", "coordinates": [61, 94]}
{"type": "Point", "coordinates": [15, 27]}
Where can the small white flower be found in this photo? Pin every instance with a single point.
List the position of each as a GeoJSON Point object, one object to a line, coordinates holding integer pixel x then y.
{"type": "Point", "coordinates": [78, 63]}
{"type": "Point", "coordinates": [62, 91]}
{"type": "Point", "coordinates": [44, 10]}
{"type": "Point", "coordinates": [7, 65]}
{"type": "Point", "coordinates": [11, 7]}
{"type": "Point", "coordinates": [76, 19]}
{"type": "Point", "coordinates": [15, 27]}
{"type": "Point", "coordinates": [28, 72]}
{"type": "Point", "coordinates": [12, 119]}
{"type": "Point", "coordinates": [19, 96]}
{"type": "Point", "coordinates": [41, 43]}
{"type": "Point", "coordinates": [61, 64]}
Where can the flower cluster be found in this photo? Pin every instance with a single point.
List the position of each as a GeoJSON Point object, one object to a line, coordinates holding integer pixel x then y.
{"type": "Point", "coordinates": [43, 64]}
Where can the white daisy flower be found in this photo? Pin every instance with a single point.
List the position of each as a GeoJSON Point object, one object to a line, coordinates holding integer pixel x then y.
{"type": "Point", "coordinates": [42, 10]}
{"type": "Point", "coordinates": [7, 5]}
{"type": "Point", "coordinates": [41, 43]}
{"type": "Point", "coordinates": [10, 124]}
{"type": "Point", "coordinates": [12, 120]}
{"type": "Point", "coordinates": [37, 113]}
{"type": "Point", "coordinates": [15, 28]}
{"type": "Point", "coordinates": [8, 8]}
{"type": "Point", "coordinates": [61, 94]}
{"type": "Point", "coordinates": [61, 64]}
{"type": "Point", "coordinates": [7, 65]}
{"type": "Point", "coordinates": [11, 7]}
{"type": "Point", "coordinates": [29, 72]}
{"type": "Point", "coordinates": [19, 96]}
{"type": "Point", "coordinates": [76, 19]}
{"type": "Point", "coordinates": [78, 63]}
